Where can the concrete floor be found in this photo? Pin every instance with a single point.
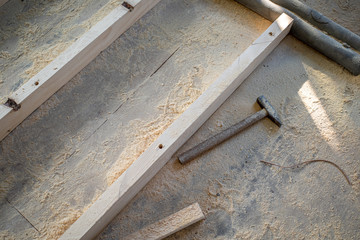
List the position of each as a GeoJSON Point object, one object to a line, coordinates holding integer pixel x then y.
{"type": "Point", "coordinates": [63, 156]}
{"type": "Point", "coordinates": [33, 33]}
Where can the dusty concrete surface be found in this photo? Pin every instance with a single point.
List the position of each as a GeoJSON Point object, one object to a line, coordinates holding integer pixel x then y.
{"type": "Point", "coordinates": [33, 33]}
{"type": "Point", "coordinates": [59, 160]}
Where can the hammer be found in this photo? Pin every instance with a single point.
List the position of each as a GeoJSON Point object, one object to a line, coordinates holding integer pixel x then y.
{"type": "Point", "coordinates": [266, 111]}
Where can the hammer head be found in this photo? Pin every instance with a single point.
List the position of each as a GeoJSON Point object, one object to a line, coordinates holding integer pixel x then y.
{"type": "Point", "coordinates": [264, 103]}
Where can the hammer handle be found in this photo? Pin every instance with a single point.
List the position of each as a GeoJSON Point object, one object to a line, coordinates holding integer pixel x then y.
{"type": "Point", "coordinates": [221, 137]}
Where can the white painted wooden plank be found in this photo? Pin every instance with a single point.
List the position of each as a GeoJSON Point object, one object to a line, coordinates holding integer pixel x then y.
{"type": "Point", "coordinates": [169, 225]}
{"type": "Point", "coordinates": [51, 78]}
{"type": "Point", "coordinates": [154, 158]}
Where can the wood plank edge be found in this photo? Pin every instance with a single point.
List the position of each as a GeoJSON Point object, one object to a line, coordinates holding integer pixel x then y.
{"type": "Point", "coordinates": [119, 194]}
{"type": "Point", "coordinates": [62, 69]}
{"type": "Point", "coordinates": [169, 225]}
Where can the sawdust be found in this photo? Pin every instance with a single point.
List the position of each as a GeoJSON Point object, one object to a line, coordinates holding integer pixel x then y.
{"type": "Point", "coordinates": [55, 229]}
{"type": "Point", "coordinates": [5, 54]}
{"type": "Point", "coordinates": [30, 34]}
{"type": "Point", "coordinates": [62, 215]}
{"type": "Point", "coordinates": [7, 235]}
{"type": "Point", "coordinates": [246, 197]}
{"type": "Point", "coordinates": [355, 179]}
{"type": "Point", "coordinates": [319, 121]}
{"type": "Point", "coordinates": [178, 100]}
{"type": "Point", "coordinates": [44, 56]}
{"type": "Point", "coordinates": [185, 92]}
{"type": "Point", "coordinates": [6, 186]}
{"type": "Point", "coordinates": [27, 50]}
{"type": "Point", "coordinates": [221, 197]}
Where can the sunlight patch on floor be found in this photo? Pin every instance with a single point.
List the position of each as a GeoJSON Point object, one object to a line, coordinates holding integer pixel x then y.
{"type": "Point", "coordinates": [318, 114]}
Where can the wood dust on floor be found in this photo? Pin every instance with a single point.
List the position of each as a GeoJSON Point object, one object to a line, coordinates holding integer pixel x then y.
{"type": "Point", "coordinates": [245, 199]}
{"type": "Point", "coordinates": [32, 34]}
{"type": "Point", "coordinates": [82, 146]}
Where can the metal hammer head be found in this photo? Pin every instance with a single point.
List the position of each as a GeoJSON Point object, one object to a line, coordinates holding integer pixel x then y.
{"type": "Point", "coordinates": [264, 103]}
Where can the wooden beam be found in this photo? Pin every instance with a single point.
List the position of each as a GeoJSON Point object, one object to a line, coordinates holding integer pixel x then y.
{"type": "Point", "coordinates": [51, 78]}
{"type": "Point", "coordinates": [154, 158]}
{"type": "Point", "coordinates": [169, 225]}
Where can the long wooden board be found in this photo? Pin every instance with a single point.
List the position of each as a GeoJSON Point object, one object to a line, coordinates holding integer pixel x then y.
{"type": "Point", "coordinates": [154, 158]}
{"type": "Point", "coordinates": [169, 225]}
{"type": "Point", "coordinates": [51, 78]}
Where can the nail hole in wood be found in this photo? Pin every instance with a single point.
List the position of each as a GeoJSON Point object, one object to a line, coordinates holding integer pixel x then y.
{"type": "Point", "coordinates": [161, 146]}
{"type": "Point", "coordinates": [128, 6]}
{"type": "Point", "coordinates": [271, 34]}
{"type": "Point", "coordinates": [36, 83]}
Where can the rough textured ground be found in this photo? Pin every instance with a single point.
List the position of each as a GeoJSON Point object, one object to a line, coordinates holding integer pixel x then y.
{"type": "Point", "coordinates": [33, 33]}
{"type": "Point", "coordinates": [60, 159]}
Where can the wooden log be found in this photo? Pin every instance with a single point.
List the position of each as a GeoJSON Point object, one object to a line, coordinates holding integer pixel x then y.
{"type": "Point", "coordinates": [55, 75]}
{"type": "Point", "coordinates": [169, 225]}
{"type": "Point", "coordinates": [154, 158]}
{"type": "Point", "coordinates": [309, 35]}
{"type": "Point", "coordinates": [322, 22]}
